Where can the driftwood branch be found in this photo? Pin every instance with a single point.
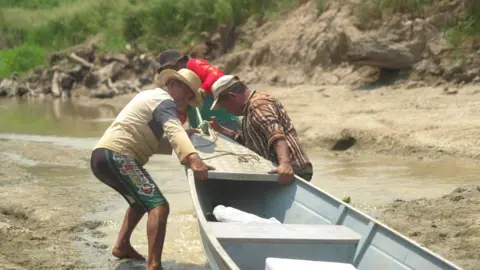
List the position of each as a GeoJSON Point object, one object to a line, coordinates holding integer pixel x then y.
{"type": "Point", "coordinates": [80, 60]}
{"type": "Point", "coordinates": [30, 89]}
{"type": "Point", "coordinates": [56, 90]}
{"type": "Point", "coordinates": [112, 86]}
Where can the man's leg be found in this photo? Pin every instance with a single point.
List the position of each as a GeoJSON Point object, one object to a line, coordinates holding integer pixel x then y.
{"type": "Point", "coordinates": [156, 230]}
{"type": "Point", "coordinates": [123, 247]}
{"type": "Point", "coordinates": [143, 193]}
{"type": "Point", "coordinates": [104, 169]}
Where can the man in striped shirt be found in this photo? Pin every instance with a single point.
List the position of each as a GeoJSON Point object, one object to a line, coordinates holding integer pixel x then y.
{"type": "Point", "coordinates": [266, 127]}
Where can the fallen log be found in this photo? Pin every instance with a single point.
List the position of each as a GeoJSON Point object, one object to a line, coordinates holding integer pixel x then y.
{"type": "Point", "coordinates": [80, 60]}
{"type": "Point", "coordinates": [112, 86]}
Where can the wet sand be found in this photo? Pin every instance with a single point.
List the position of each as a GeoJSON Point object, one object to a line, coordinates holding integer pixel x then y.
{"type": "Point", "coordinates": [56, 215]}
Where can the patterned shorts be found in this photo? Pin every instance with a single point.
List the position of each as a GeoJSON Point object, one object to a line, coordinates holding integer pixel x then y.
{"type": "Point", "coordinates": [124, 174]}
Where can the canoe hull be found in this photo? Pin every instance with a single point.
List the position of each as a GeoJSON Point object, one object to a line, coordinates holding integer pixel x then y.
{"type": "Point", "coordinates": [257, 192]}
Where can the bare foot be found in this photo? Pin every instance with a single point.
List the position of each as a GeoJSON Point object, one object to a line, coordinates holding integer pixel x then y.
{"type": "Point", "coordinates": [154, 268]}
{"type": "Point", "coordinates": [127, 252]}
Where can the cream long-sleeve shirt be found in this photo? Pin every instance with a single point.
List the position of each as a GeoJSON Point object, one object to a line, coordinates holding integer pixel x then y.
{"type": "Point", "coordinates": [148, 125]}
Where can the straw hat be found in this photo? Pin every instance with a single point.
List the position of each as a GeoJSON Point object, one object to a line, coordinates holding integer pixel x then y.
{"type": "Point", "coordinates": [189, 78]}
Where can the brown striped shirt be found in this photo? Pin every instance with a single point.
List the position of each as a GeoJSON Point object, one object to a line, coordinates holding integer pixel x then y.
{"type": "Point", "coordinates": [265, 121]}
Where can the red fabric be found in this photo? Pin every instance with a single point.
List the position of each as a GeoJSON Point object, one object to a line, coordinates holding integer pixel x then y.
{"type": "Point", "coordinates": [182, 116]}
{"type": "Point", "coordinates": [207, 73]}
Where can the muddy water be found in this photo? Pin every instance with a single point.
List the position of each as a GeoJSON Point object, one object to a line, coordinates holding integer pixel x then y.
{"type": "Point", "coordinates": [370, 181]}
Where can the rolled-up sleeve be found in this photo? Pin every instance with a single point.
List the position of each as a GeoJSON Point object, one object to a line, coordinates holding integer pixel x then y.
{"type": "Point", "coordinates": [265, 118]}
{"type": "Point", "coordinates": [212, 77]}
{"type": "Point", "coordinates": [238, 137]}
{"type": "Point", "coordinates": [166, 116]}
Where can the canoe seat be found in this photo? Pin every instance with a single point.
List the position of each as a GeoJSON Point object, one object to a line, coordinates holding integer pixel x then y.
{"type": "Point", "coordinates": [285, 233]}
{"type": "Point", "coordinates": [249, 245]}
{"type": "Point", "coordinates": [288, 264]}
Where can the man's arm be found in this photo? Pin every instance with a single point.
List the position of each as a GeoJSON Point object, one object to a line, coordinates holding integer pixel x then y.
{"type": "Point", "coordinates": [282, 150]}
{"type": "Point", "coordinates": [165, 116]}
{"type": "Point", "coordinates": [266, 119]}
{"type": "Point", "coordinates": [235, 135]}
{"type": "Point", "coordinates": [164, 146]}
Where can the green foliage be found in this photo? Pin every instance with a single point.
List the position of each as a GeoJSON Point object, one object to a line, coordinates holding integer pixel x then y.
{"type": "Point", "coordinates": [320, 5]}
{"type": "Point", "coordinates": [42, 26]}
{"type": "Point", "coordinates": [20, 59]}
{"type": "Point", "coordinates": [33, 4]}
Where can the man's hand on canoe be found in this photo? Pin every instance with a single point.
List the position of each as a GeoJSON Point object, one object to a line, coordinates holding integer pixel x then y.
{"type": "Point", "coordinates": [192, 131]}
{"type": "Point", "coordinates": [285, 173]}
{"type": "Point", "coordinates": [199, 168]}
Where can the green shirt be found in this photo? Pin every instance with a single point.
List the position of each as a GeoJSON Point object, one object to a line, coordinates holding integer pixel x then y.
{"type": "Point", "coordinates": [221, 114]}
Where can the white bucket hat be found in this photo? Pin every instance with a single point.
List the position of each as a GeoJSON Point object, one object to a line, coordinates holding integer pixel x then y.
{"type": "Point", "coordinates": [222, 84]}
{"type": "Point", "coordinates": [189, 78]}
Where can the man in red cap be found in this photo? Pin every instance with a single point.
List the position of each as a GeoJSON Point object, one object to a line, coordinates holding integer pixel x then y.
{"type": "Point", "coordinates": [208, 74]}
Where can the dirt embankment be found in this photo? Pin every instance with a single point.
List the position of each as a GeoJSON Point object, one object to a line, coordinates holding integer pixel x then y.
{"type": "Point", "coordinates": [449, 225]}
{"type": "Point", "coordinates": [344, 46]}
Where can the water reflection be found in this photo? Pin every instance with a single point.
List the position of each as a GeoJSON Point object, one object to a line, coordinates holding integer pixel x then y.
{"type": "Point", "coordinates": [55, 117]}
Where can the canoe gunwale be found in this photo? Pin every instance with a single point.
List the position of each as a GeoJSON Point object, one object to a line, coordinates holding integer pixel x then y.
{"type": "Point", "coordinates": [202, 221]}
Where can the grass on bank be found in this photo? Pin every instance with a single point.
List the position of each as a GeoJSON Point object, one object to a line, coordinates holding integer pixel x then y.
{"type": "Point", "coordinates": [32, 28]}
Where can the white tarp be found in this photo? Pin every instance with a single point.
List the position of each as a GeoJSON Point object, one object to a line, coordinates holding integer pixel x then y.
{"type": "Point", "coordinates": [230, 214]}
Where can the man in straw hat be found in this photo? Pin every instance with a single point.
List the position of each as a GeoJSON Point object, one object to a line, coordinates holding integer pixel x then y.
{"type": "Point", "coordinates": [266, 127]}
{"type": "Point", "coordinates": [147, 125]}
{"type": "Point", "coordinates": [208, 74]}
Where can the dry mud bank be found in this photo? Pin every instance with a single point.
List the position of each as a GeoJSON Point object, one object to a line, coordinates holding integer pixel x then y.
{"type": "Point", "coordinates": [449, 225]}
{"type": "Point", "coordinates": [423, 122]}
{"type": "Point", "coordinates": [38, 217]}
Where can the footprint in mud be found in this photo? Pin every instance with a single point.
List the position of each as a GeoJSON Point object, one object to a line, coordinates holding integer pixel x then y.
{"type": "Point", "coordinates": [99, 234]}
{"type": "Point", "coordinates": [96, 245]}
{"type": "Point", "coordinates": [100, 246]}
{"type": "Point", "coordinates": [86, 225]}
{"type": "Point", "coordinates": [92, 225]}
